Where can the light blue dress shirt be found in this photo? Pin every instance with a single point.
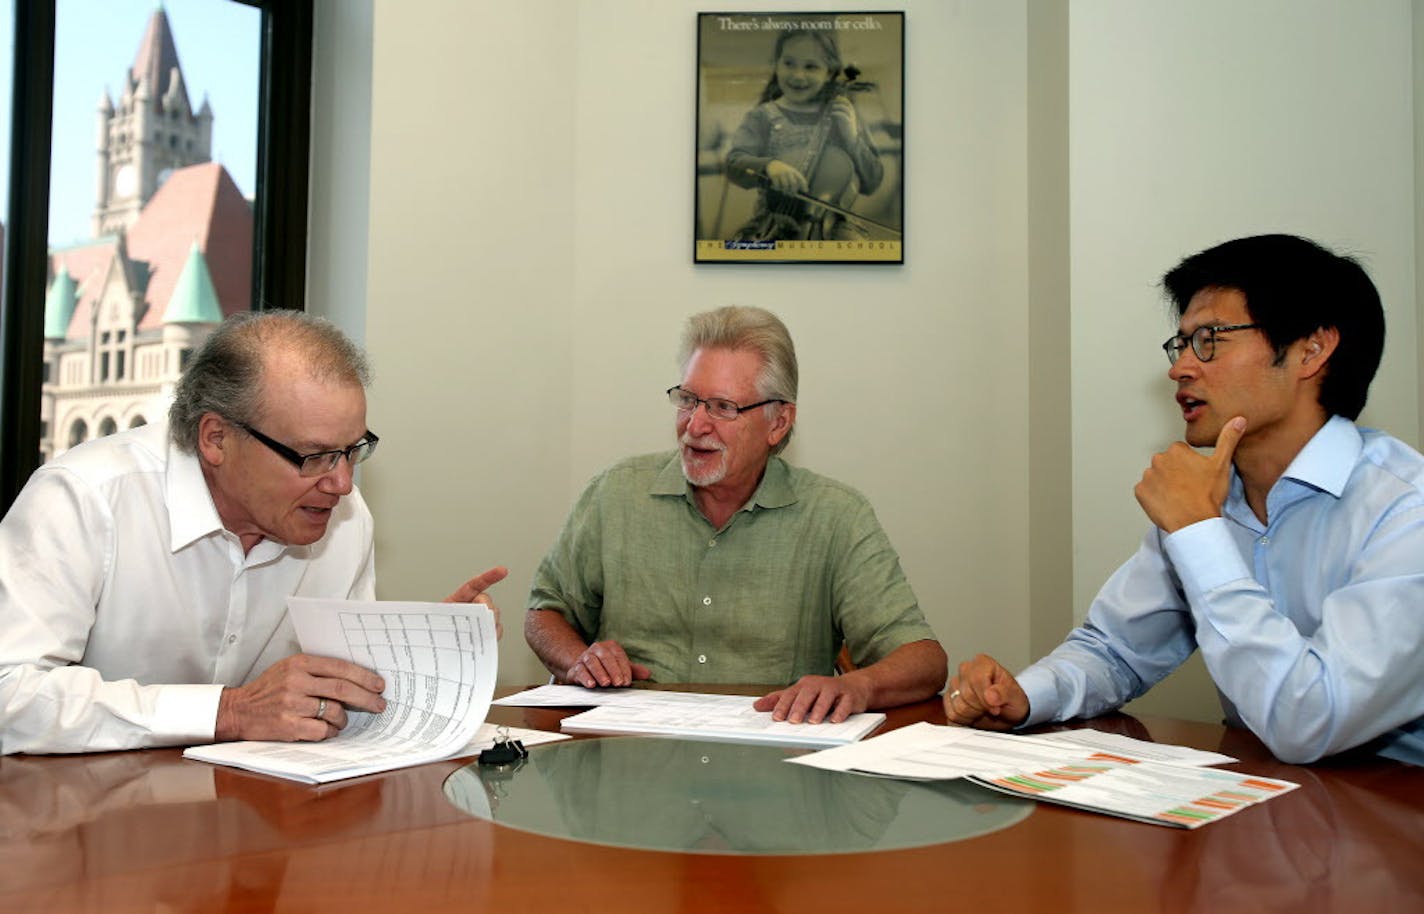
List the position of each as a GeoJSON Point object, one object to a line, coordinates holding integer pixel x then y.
{"type": "Point", "coordinates": [1311, 625]}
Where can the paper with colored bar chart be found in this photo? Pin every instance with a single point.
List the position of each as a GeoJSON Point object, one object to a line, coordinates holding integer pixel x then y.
{"type": "Point", "coordinates": [1145, 791]}
{"type": "Point", "coordinates": [1181, 792]}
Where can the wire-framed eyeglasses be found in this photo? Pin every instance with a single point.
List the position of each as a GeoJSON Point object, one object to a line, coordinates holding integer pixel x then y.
{"type": "Point", "coordinates": [717, 407]}
{"type": "Point", "coordinates": [320, 462]}
{"type": "Point", "coordinates": [1202, 340]}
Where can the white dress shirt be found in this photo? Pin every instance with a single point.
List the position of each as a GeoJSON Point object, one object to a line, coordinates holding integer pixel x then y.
{"type": "Point", "coordinates": [126, 607]}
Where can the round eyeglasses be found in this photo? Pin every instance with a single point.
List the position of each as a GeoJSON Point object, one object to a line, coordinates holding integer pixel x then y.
{"type": "Point", "coordinates": [1202, 340]}
{"type": "Point", "coordinates": [321, 462]}
{"type": "Point", "coordinates": [717, 407]}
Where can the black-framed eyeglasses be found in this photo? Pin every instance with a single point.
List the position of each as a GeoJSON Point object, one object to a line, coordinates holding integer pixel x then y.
{"type": "Point", "coordinates": [322, 461]}
{"type": "Point", "coordinates": [1203, 341]}
{"type": "Point", "coordinates": [717, 407]}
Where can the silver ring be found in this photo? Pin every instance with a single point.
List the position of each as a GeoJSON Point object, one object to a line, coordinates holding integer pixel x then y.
{"type": "Point", "coordinates": [953, 695]}
{"type": "Point", "coordinates": [321, 709]}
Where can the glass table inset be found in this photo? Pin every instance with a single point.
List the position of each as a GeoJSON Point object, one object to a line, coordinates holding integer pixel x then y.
{"type": "Point", "coordinates": [720, 798]}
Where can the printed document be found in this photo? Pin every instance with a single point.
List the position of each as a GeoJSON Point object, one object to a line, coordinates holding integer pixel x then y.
{"type": "Point", "coordinates": [1148, 782]}
{"type": "Point", "coordinates": [568, 696]}
{"type": "Point", "coordinates": [722, 718]}
{"type": "Point", "coordinates": [439, 662]}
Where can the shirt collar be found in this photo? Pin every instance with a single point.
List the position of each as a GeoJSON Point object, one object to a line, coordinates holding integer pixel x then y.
{"type": "Point", "coordinates": [1323, 465]}
{"type": "Point", "coordinates": [774, 490]}
{"type": "Point", "coordinates": [1329, 457]}
{"type": "Point", "coordinates": [191, 512]}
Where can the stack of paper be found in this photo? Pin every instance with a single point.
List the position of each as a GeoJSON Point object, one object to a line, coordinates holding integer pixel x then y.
{"type": "Point", "coordinates": [1101, 772]}
{"type": "Point", "coordinates": [689, 715]}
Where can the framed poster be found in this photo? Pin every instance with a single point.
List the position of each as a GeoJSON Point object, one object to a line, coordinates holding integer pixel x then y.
{"type": "Point", "coordinates": [800, 138]}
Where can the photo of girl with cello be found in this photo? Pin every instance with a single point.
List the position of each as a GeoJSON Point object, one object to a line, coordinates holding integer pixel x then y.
{"type": "Point", "coordinates": [800, 138]}
{"type": "Point", "coordinates": [803, 143]}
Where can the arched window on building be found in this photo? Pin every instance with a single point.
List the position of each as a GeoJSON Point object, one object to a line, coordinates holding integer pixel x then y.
{"type": "Point", "coordinates": [108, 427]}
{"type": "Point", "coordinates": [137, 421]}
{"type": "Point", "coordinates": [78, 432]}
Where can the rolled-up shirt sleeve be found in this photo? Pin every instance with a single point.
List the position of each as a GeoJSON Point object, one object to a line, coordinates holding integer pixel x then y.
{"type": "Point", "coordinates": [56, 550]}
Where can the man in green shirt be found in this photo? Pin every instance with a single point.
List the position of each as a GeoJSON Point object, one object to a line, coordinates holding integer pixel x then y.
{"type": "Point", "coordinates": [720, 562]}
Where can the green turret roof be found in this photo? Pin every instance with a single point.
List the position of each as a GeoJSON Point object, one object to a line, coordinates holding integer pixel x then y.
{"type": "Point", "coordinates": [59, 304]}
{"type": "Point", "coordinates": [194, 300]}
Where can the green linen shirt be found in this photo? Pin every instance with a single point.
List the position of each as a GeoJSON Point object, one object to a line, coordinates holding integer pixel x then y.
{"type": "Point", "coordinates": [801, 567]}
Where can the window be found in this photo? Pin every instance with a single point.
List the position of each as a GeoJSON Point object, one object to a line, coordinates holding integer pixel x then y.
{"type": "Point", "coordinates": [282, 31]}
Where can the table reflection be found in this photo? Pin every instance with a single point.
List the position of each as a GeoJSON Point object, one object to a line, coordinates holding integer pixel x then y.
{"type": "Point", "coordinates": [74, 830]}
{"type": "Point", "coordinates": [685, 795]}
{"type": "Point", "coordinates": [1287, 854]}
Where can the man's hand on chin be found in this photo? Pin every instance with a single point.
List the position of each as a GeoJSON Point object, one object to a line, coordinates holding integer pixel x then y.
{"type": "Point", "coordinates": [1182, 487]}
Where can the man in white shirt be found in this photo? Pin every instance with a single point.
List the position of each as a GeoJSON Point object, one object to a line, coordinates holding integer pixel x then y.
{"type": "Point", "coordinates": [144, 576]}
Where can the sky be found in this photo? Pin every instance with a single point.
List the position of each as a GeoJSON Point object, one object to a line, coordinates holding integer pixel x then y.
{"type": "Point", "coordinates": [219, 49]}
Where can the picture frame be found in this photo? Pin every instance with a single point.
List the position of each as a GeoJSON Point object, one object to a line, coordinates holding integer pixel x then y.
{"type": "Point", "coordinates": [800, 138]}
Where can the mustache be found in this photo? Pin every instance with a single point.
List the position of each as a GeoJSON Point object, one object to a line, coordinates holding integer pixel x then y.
{"type": "Point", "coordinates": [706, 443]}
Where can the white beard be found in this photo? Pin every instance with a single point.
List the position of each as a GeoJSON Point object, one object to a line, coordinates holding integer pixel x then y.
{"type": "Point", "coordinates": [710, 476]}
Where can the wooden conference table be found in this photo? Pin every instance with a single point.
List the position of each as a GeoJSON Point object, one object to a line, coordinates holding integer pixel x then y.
{"type": "Point", "coordinates": [150, 831]}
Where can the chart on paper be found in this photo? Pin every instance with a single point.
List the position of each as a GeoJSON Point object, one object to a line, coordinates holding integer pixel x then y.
{"type": "Point", "coordinates": [427, 660]}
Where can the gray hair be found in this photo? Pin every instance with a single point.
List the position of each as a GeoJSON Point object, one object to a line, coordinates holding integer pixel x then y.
{"type": "Point", "coordinates": [225, 374]}
{"type": "Point", "coordinates": [756, 330]}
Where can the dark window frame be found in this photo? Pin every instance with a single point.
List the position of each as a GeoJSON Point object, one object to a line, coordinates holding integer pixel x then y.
{"type": "Point", "coordinates": [279, 216]}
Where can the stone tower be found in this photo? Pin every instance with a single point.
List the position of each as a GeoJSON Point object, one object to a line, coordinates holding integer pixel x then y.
{"type": "Point", "coordinates": [150, 132]}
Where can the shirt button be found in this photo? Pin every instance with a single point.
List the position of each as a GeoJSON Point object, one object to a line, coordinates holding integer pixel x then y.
{"type": "Point", "coordinates": [711, 543]}
{"type": "Point", "coordinates": [231, 639]}
{"type": "Point", "coordinates": [1265, 541]}
{"type": "Point", "coordinates": [701, 658]}
{"type": "Point", "coordinates": [706, 601]}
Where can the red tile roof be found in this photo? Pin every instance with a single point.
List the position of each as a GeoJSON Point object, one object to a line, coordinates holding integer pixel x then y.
{"type": "Point", "coordinates": [199, 204]}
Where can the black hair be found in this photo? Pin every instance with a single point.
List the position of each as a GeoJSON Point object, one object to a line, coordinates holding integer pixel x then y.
{"type": "Point", "coordinates": [1294, 287]}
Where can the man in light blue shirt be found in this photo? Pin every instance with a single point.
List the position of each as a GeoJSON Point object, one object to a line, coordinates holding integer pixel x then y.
{"type": "Point", "coordinates": [1292, 556]}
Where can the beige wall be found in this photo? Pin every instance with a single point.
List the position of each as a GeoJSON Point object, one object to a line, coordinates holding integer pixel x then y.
{"type": "Point", "coordinates": [530, 268]}
{"type": "Point", "coordinates": [525, 267]}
